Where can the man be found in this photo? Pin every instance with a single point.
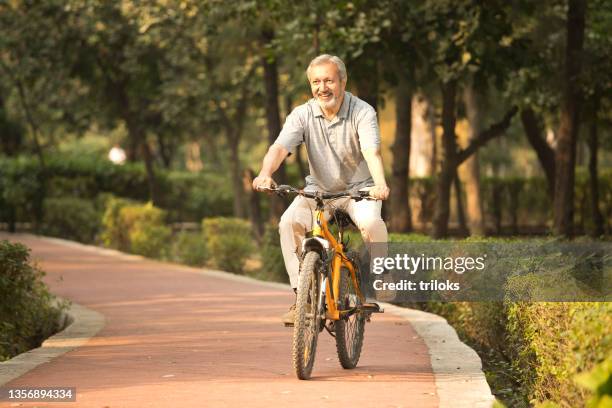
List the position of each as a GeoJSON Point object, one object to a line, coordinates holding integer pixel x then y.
{"type": "Point", "coordinates": [342, 140]}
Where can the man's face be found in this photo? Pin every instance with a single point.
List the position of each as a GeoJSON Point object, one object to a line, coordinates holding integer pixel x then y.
{"type": "Point", "coordinates": [326, 86]}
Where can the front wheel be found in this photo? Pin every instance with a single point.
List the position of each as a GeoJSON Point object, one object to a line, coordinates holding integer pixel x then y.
{"type": "Point", "coordinates": [307, 315]}
{"type": "Point", "coordinates": [349, 330]}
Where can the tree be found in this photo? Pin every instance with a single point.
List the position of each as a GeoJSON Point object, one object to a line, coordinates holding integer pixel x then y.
{"type": "Point", "coordinates": [462, 34]}
{"type": "Point", "coordinates": [569, 123]}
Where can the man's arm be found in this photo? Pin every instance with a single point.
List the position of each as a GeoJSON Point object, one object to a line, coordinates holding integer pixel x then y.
{"type": "Point", "coordinates": [373, 158]}
{"type": "Point", "coordinates": [271, 162]}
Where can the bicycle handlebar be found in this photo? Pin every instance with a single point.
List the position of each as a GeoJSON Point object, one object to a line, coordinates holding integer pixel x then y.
{"type": "Point", "coordinates": [284, 189]}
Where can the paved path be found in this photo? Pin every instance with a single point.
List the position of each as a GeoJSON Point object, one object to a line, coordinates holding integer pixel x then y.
{"type": "Point", "coordinates": [180, 337]}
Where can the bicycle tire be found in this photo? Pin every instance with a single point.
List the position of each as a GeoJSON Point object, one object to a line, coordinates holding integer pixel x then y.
{"type": "Point", "coordinates": [349, 331]}
{"type": "Point", "coordinates": [307, 316]}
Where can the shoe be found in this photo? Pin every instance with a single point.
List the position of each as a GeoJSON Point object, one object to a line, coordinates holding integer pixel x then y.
{"type": "Point", "coordinates": [289, 318]}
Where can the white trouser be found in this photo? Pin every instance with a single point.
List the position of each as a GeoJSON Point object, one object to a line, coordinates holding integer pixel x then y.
{"type": "Point", "coordinates": [298, 219]}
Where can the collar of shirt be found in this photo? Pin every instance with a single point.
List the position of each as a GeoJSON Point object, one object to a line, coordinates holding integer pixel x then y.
{"type": "Point", "coordinates": [342, 112]}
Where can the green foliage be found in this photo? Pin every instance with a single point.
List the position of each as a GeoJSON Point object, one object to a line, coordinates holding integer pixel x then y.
{"type": "Point", "coordinates": [114, 234]}
{"type": "Point", "coordinates": [599, 382]}
{"type": "Point", "coordinates": [71, 218]}
{"type": "Point", "coordinates": [136, 228]}
{"type": "Point", "coordinates": [189, 248]}
{"type": "Point", "coordinates": [186, 196]}
{"type": "Point", "coordinates": [533, 351]}
{"type": "Point", "coordinates": [229, 242]}
{"type": "Point", "coordinates": [273, 265]}
{"type": "Point", "coordinates": [21, 189]}
{"type": "Point", "coordinates": [27, 313]}
{"type": "Point", "coordinates": [147, 233]}
{"type": "Point", "coordinates": [582, 338]}
{"type": "Point", "coordinates": [191, 197]}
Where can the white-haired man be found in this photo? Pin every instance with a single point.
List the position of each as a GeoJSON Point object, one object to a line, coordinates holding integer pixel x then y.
{"type": "Point", "coordinates": [342, 140]}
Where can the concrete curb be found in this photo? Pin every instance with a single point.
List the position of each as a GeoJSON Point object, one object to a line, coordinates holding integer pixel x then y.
{"type": "Point", "coordinates": [457, 368]}
{"type": "Point", "coordinates": [85, 324]}
{"type": "Point", "coordinates": [460, 382]}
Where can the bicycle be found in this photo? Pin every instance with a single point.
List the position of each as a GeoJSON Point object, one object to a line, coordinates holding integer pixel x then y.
{"type": "Point", "coordinates": [339, 307]}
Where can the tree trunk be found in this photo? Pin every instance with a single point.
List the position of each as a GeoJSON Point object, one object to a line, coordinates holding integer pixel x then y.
{"type": "Point", "coordinates": [463, 228]}
{"type": "Point", "coordinates": [132, 150]}
{"type": "Point", "coordinates": [33, 125]}
{"type": "Point", "coordinates": [298, 152]}
{"type": "Point", "coordinates": [254, 203]}
{"type": "Point", "coordinates": [449, 164]}
{"type": "Point", "coordinates": [423, 138]}
{"type": "Point", "coordinates": [400, 217]}
{"type": "Point", "coordinates": [497, 208]}
{"type": "Point", "coordinates": [472, 174]}
{"type": "Point", "coordinates": [596, 216]}
{"type": "Point", "coordinates": [451, 157]}
{"type": "Point", "coordinates": [546, 155]}
{"type": "Point", "coordinates": [565, 157]}
{"type": "Point", "coordinates": [316, 43]}
{"type": "Point", "coordinates": [138, 139]}
{"type": "Point", "coordinates": [273, 120]}
{"type": "Point", "coordinates": [164, 151]}
{"type": "Point", "coordinates": [236, 173]}
{"type": "Point", "coordinates": [150, 167]}
{"type": "Point", "coordinates": [365, 79]}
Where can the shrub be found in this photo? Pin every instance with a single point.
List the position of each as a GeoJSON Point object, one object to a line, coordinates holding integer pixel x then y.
{"type": "Point", "coordinates": [71, 218]}
{"type": "Point", "coordinates": [599, 382]}
{"type": "Point", "coordinates": [189, 248]}
{"type": "Point", "coordinates": [552, 342]}
{"type": "Point", "coordinates": [114, 233]}
{"type": "Point", "coordinates": [273, 265]}
{"type": "Point", "coordinates": [27, 315]}
{"type": "Point", "coordinates": [136, 228]}
{"type": "Point", "coordinates": [21, 190]}
{"type": "Point", "coordinates": [533, 351]}
{"type": "Point", "coordinates": [229, 242]}
{"type": "Point", "coordinates": [147, 233]}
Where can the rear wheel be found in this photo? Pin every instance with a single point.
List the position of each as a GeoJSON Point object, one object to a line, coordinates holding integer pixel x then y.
{"type": "Point", "coordinates": [307, 316]}
{"type": "Point", "coordinates": [349, 330]}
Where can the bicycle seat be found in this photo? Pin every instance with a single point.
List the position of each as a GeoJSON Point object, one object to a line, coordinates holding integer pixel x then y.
{"type": "Point", "coordinates": [342, 218]}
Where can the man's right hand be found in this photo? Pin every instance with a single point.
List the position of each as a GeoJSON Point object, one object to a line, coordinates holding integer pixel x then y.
{"type": "Point", "coordinates": [263, 182]}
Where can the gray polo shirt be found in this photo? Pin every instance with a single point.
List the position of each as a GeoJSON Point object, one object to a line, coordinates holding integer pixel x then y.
{"type": "Point", "coordinates": [334, 147]}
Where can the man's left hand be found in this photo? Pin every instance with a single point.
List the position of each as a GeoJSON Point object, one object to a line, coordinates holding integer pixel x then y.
{"type": "Point", "coordinates": [379, 192]}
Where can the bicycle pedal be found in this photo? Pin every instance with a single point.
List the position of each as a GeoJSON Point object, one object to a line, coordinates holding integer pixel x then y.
{"type": "Point", "coordinates": [372, 308]}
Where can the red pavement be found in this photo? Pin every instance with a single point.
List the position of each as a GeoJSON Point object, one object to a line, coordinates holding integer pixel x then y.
{"type": "Point", "coordinates": [175, 337]}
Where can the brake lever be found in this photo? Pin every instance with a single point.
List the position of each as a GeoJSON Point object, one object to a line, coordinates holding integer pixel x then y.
{"type": "Point", "coordinates": [283, 189]}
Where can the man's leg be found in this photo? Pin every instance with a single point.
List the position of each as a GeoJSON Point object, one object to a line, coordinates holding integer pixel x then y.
{"type": "Point", "coordinates": [366, 215]}
{"type": "Point", "coordinates": [294, 223]}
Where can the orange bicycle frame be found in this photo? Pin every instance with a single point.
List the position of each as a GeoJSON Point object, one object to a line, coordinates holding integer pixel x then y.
{"type": "Point", "coordinates": [338, 260]}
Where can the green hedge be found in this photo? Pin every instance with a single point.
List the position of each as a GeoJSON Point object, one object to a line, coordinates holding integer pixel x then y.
{"type": "Point", "coordinates": [552, 342]}
{"type": "Point", "coordinates": [24, 187]}
{"type": "Point", "coordinates": [189, 248]}
{"type": "Point", "coordinates": [273, 265]}
{"type": "Point", "coordinates": [136, 228]}
{"type": "Point", "coordinates": [229, 242]}
{"type": "Point", "coordinates": [27, 313]}
{"type": "Point", "coordinates": [533, 352]}
{"type": "Point", "coordinates": [510, 204]}
{"type": "Point", "coordinates": [71, 218]}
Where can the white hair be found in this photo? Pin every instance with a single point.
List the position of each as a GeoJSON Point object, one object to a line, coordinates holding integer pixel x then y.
{"type": "Point", "coordinates": [324, 59]}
